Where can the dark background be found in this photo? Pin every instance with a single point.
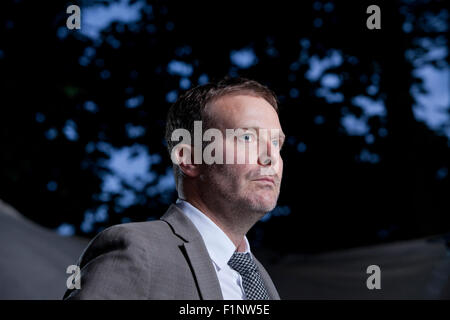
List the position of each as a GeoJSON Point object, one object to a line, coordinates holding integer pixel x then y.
{"type": "Point", "coordinates": [82, 115]}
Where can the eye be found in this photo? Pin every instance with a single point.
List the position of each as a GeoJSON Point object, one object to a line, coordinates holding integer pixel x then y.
{"type": "Point", "coordinates": [276, 143]}
{"type": "Point", "coordinates": [247, 137]}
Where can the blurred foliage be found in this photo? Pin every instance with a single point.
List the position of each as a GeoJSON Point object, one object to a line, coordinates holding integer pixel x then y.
{"type": "Point", "coordinates": [340, 189]}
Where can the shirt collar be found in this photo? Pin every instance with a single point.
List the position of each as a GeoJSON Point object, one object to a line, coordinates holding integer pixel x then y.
{"type": "Point", "coordinates": [219, 246]}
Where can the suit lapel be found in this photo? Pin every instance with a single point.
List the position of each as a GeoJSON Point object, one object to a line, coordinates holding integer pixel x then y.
{"type": "Point", "coordinates": [204, 272]}
{"type": "Point", "coordinates": [196, 252]}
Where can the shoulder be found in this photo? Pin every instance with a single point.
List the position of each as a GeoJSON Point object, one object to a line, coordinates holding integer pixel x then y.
{"type": "Point", "coordinates": [125, 260]}
{"type": "Point", "coordinates": [136, 230]}
{"type": "Point", "coordinates": [140, 236]}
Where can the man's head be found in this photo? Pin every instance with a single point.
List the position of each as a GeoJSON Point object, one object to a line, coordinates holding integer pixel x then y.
{"type": "Point", "coordinates": [252, 186]}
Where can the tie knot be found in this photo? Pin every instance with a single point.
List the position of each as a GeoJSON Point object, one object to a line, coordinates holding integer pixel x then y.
{"type": "Point", "coordinates": [242, 263]}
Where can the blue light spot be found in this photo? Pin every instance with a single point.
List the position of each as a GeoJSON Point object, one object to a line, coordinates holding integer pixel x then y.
{"type": "Point", "coordinates": [62, 32]}
{"type": "Point", "coordinates": [88, 223]}
{"type": "Point", "coordinates": [305, 43]}
{"type": "Point", "coordinates": [330, 80]}
{"type": "Point", "coordinates": [134, 102]}
{"type": "Point", "coordinates": [329, 6]}
{"type": "Point", "coordinates": [354, 126]}
{"type": "Point", "coordinates": [294, 93]}
{"type": "Point", "coordinates": [301, 147]}
{"type": "Point", "coordinates": [367, 156]}
{"type": "Point", "coordinates": [83, 61]}
{"type": "Point", "coordinates": [318, 22]}
{"type": "Point", "coordinates": [319, 119]}
{"type": "Point", "coordinates": [66, 230]}
{"type": "Point", "coordinates": [40, 117]}
{"type": "Point", "coordinates": [90, 147]}
{"type": "Point", "coordinates": [442, 173]}
{"type": "Point", "coordinates": [51, 134]}
{"type": "Point", "coordinates": [134, 131]}
{"type": "Point", "coordinates": [91, 106]}
{"type": "Point", "coordinates": [105, 74]}
{"type": "Point", "coordinates": [155, 158]}
{"type": "Point", "coordinates": [52, 186]}
{"type": "Point", "coordinates": [180, 68]}
{"type": "Point", "coordinates": [407, 27]}
{"type": "Point", "coordinates": [244, 58]}
{"type": "Point", "coordinates": [369, 138]}
{"type": "Point", "coordinates": [382, 132]}
{"type": "Point", "coordinates": [203, 79]}
{"type": "Point", "coordinates": [172, 96]}
{"type": "Point", "coordinates": [185, 83]}
{"type": "Point", "coordinates": [272, 52]}
{"type": "Point", "coordinates": [70, 130]}
{"type": "Point", "coordinates": [102, 214]}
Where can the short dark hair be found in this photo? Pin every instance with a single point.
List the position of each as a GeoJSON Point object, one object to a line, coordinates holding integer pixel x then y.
{"type": "Point", "coordinates": [191, 105]}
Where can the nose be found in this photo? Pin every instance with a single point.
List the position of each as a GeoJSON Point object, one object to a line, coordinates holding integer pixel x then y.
{"type": "Point", "coordinates": [265, 157]}
{"type": "Point", "coordinates": [268, 155]}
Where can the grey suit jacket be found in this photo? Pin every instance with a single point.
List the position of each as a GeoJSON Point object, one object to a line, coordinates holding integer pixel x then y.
{"type": "Point", "coordinates": [163, 259]}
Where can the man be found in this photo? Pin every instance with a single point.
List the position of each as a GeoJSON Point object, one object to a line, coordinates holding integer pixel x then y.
{"type": "Point", "coordinates": [198, 249]}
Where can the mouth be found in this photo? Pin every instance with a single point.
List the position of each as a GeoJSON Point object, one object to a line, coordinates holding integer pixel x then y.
{"type": "Point", "coordinates": [266, 180]}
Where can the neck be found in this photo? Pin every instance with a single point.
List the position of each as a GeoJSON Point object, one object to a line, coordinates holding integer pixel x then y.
{"type": "Point", "coordinates": [227, 222]}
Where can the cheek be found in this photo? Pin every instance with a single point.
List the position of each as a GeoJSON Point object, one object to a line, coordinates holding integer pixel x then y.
{"type": "Point", "coordinates": [238, 175]}
{"type": "Point", "coordinates": [280, 169]}
{"type": "Point", "coordinates": [230, 176]}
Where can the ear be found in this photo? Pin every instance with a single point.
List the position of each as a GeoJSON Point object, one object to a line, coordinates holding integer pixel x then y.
{"type": "Point", "coordinates": [183, 157]}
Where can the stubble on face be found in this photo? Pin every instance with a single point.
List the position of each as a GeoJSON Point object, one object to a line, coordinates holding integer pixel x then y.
{"type": "Point", "coordinates": [227, 184]}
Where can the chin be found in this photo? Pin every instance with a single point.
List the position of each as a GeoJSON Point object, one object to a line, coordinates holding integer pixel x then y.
{"type": "Point", "coordinates": [264, 204]}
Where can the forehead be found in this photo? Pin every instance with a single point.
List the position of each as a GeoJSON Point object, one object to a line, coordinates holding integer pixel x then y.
{"type": "Point", "coordinates": [242, 111]}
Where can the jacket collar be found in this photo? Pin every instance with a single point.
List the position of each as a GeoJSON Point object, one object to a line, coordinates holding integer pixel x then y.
{"type": "Point", "coordinates": [196, 252]}
{"type": "Point", "coordinates": [181, 225]}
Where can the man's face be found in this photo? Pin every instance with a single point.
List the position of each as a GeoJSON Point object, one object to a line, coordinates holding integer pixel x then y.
{"type": "Point", "coordinates": [254, 185]}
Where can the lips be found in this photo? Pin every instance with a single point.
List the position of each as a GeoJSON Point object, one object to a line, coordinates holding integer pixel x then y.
{"type": "Point", "coordinates": [266, 179]}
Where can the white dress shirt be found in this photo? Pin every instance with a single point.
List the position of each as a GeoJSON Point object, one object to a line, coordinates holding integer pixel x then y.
{"type": "Point", "coordinates": [220, 249]}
